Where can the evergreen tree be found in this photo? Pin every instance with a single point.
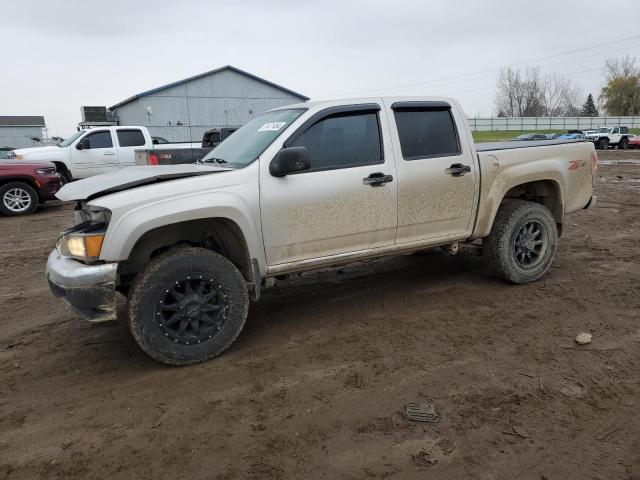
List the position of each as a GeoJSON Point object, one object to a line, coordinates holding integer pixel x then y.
{"type": "Point", "coordinates": [589, 108]}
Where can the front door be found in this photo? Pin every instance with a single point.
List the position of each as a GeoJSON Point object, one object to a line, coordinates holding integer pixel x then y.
{"type": "Point", "coordinates": [337, 206]}
{"type": "Point", "coordinates": [97, 155]}
{"type": "Point", "coordinates": [437, 171]}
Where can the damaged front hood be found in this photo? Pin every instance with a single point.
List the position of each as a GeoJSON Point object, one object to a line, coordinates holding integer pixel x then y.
{"type": "Point", "coordinates": [131, 177]}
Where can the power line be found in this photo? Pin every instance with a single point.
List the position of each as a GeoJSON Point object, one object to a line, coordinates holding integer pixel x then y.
{"type": "Point", "coordinates": [472, 77]}
{"type": "Point", "coordinates": [453, 77]}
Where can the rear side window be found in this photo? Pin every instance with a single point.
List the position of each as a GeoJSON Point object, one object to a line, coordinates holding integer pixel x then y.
{"type": "Point", "coordinates": [624, 130]}
{"type": "Point", "coordinates": [426, 132]}
{"type": "Point", "coordinates": [99, 140]}
{"type": "Point", "coordinates": [130, 138]}
{"type": "Point", "coordinates": [343, 140]}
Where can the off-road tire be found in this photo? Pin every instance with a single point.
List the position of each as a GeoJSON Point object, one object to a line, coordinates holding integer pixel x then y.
{"type": "Point", "coordinates": [27, 189]}
{"type": "Point", "coordinates": [623, 144]}
{"type": "Point", "coordinates": [603, 144]}
{"type": "Point", "coordinates": [500, 247]}
{"type": "Point", "coordinates": [153, 284]}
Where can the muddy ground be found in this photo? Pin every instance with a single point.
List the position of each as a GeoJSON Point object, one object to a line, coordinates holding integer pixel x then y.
{"type": "Point", "coordinates": [316, 385]}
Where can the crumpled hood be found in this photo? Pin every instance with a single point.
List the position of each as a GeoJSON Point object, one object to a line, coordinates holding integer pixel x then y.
{"type": "Point", "coordinates": [131, 177]}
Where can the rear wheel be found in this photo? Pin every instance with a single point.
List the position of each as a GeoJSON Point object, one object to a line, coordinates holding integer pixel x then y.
{"type": "Point", "coordinates": [187, 306]}
{"type": "Point", "coordinates": [17, 198]}
{"type": "Point", "coordinates": [522, 242]}
{"type": "Point", "coordinates": [624, 144]}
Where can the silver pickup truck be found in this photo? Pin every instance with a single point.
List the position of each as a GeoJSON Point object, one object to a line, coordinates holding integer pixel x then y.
{"type": "Point", "coordinates": [304, 187]}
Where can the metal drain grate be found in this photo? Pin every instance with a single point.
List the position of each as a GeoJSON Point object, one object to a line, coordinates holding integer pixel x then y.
{"type": "Point", "coordinates": [421, 412]}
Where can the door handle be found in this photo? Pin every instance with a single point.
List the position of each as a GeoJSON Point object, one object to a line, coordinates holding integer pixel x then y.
{"type": "Point", "coordinates": [458, 169]}
{"type": "Point", "coordinates": [377, 179]}
{"type": "Point", "coordinates": [109, 153]}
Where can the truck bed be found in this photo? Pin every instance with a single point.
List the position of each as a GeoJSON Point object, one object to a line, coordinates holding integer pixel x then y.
{"type": "Point", "coordinates": [513, 144]}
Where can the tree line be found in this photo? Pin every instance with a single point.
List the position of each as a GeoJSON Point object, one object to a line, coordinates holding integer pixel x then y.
{"type": "Point", "coordinates": [529, 93]}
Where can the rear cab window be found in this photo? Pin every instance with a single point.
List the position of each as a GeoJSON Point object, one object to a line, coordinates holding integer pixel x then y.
{"type": "Point", "coordinates": [426, 130]}
{"type": "Point", "coordinates": [130, 138]}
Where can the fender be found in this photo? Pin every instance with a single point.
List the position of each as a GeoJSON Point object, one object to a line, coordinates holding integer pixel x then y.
{"type": "Point", "coordinates": [496, 185]}
{"type": "Point", "coordinates": [125, 230]}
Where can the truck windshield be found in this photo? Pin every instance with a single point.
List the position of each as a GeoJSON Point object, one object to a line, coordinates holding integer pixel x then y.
{"type": "Point", "coordinates": [247, 143]}
{"type": "Point", "coordinates": [68, 141]}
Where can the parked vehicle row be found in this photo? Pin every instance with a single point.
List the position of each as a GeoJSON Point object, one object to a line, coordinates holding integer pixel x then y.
{"type": "Point", "coordinates": [101, 150]}
{"type": "Point", "coordinates": [300, 187]}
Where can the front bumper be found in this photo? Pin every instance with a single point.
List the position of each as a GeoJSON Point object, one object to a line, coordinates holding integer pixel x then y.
{"type": "Point", "coordinates": [89, 290]}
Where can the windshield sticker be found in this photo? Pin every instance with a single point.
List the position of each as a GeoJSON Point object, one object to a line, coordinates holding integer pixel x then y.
{"type": "Point", "coordinates": [272, 127]}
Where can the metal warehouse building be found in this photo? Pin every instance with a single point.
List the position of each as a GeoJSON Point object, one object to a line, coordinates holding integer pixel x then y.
{"type": "Point", "coordinates": [17, 132]}
{"type": "Point", "coordinates": [182, 111]}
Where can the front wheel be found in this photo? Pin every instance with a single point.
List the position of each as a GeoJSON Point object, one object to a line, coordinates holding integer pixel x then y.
{"type": "Point", "coordinates": [17, 198]}
{"type": "Point", "coordinates": [522, 242]}
{"type": "Point", "coordinates": [187, 306]}
{"type": "Point", "coordinates": [603, 144]}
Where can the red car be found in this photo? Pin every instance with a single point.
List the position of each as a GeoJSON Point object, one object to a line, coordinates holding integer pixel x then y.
{"type": "Point", "coordinates": [24, 185]}
{"type": "Point", "coordinates": [634, 142]}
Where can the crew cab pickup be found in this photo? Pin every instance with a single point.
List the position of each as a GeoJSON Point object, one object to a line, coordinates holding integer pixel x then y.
{"type": "Point", "coordinates": [303, 187]}
{"type": "Point", "coordinates": [96, 151]}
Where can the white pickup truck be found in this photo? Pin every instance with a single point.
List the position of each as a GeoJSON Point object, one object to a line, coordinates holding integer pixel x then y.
{"type": "Point", "coordinates": [303, 187]}
{"type": "Point", "coordinates": [96, 151]}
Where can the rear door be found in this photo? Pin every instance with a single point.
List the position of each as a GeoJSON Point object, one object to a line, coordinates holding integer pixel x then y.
{"type": "Point", "coordinates": [342, 204]}
{"type": "Point", "coordinates": [129, 139]}
{"type": "Point", "coordinates": [437, 171]}
{"type": "Point", "coordinates": [97, 156]}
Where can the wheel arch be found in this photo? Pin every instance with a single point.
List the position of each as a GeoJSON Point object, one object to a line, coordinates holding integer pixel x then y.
{"type": "Point", "coordinates": [545, 190]}
{"type": "Point", "coordinates": [218, 234]}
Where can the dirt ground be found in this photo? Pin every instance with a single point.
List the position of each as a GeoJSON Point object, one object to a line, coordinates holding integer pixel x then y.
{"type": "Point", "coordinates": [316, 385]}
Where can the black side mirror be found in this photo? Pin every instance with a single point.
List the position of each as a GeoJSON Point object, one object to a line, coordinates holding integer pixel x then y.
{"type": "Point", "coordinates": [82, 144]}
{"type": "Point", "coordinates": [290, 160]}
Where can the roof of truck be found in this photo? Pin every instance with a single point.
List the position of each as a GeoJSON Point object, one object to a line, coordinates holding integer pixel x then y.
{"type": "Point", "coordinates": [200, 75]}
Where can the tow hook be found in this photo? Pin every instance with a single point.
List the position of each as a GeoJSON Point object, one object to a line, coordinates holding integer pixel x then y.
{"type": "Point", "coordinates": [452, 248]}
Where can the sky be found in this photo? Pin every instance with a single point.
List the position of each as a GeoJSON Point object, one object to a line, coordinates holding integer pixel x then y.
{"type": "Point", "coordinates": [60, 54]}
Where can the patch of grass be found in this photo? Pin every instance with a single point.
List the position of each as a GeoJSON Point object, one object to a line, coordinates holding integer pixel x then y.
{"type": "Point", "coordinates": [503, 135]}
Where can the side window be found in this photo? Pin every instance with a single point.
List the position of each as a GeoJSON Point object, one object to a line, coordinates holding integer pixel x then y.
{"type": "Point", "coordinates": [426, 132]}
{"type": "Point", "coordinates": [615, 130]}
{"type": "Point", "coordinates": [99, 140]}
{"type": "Point", "coordinates": [343, 140]}
{"type": "Point", "coordinates": [130, 138]}
{"type": "Point", "coordinates": [624, 130]}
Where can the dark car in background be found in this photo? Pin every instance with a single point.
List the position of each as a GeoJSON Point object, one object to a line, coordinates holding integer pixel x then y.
{"type": "Point", "coordinates": [25, 185]}
{"type": "Point", "coordinates": [530, 136]}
